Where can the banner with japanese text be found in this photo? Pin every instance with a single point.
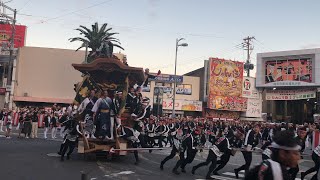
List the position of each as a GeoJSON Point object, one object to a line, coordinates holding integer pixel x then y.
{"type": "Point", "coordinates": [225, 85]}
{"type": "Point", "coordinates": [226, 77]}
{"type": "Point", "coordinates": [254, 108]}
{"type": "Point", "coordinates": [230, 103]}
{"type": "Point", "coordinates": [290, 94]}
{"type": "Point", "coordinates": [183, 105]}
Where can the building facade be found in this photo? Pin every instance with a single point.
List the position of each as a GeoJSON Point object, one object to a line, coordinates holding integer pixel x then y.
{"type": "Point", "coordinates": [290, 82]}
{"type": "Point", "coordinates": [160, 92]}
{"type": "Point", "coordinates": [226, 93]}
{"type": "Point", "coordinates": [44, 76]}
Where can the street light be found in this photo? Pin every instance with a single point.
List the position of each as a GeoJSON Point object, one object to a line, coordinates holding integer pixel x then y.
{"type": "Point", "coordinates": [175, 74]}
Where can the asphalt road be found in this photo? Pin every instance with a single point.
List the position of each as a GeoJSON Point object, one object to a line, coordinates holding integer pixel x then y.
{"type": "Point", "coordinates": [35, 159]}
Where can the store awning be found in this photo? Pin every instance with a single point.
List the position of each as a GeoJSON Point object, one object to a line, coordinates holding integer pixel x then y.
{"type": "Point", "coordinates": [44, 100]}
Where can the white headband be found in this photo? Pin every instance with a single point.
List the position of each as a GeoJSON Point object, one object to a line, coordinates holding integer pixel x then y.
{"type": "Point", "coordinates": [277, 146]}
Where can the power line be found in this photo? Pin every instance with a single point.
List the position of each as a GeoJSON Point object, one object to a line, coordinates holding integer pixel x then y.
{"type": "Point", "coordinates": [24, 5]}
{"type": "Point", "coordinates": [72, 12]}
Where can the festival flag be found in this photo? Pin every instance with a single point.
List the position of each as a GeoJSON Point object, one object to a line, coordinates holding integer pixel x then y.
{"type": "Point", "coordinates": [84, 89]}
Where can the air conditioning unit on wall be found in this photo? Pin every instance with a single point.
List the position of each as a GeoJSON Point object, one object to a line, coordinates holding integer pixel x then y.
{"type": "Point", "coordinates": [25, 94]}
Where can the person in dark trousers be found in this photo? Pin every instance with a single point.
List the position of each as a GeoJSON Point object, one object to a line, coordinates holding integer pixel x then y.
{"type": "Point", "coordinates": [53, 125]}
{"type": "Point", "coordinates": [134, 137]}
{"type": "Point", "coordinates": [220, 146]}
{"type": "Point", "coordinates": [285, 154]}
{"type": "Point", "coordinates": [28, 125]}
{"type": "Point", "coordinates": [316, 159]}
{"type": "Point", "coordinates": [176, 148]}
{"type": "Point", "coordinates": [70, 139]}
{"type": "Point", "coordinates": [250, 141]}
{"type": "Point", "coordinates": [301, 139]}
{"type": "Point", "coordinates": [192, 143]}
{"type": "Point", "coordinates": [47, 119]}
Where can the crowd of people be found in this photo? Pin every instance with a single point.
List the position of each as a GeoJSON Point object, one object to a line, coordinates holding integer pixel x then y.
{"type": "Point", "coordinates": [28, 121]}
{"type": "Point", "coordinates": [281, 144]}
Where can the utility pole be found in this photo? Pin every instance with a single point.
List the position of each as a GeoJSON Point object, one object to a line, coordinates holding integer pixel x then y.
{"type": "Point", "coordinates": [247, 45]}
{"type": "Point", "coordinates": [11, 20]}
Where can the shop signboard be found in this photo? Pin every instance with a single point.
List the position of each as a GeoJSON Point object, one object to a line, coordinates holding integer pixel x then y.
{"type": "Point", "coordinates": [290, 94]}
{"type": "Point", "coordinates": [182, 105]}
{"type": "Point", "coordinates": [249, 88]}
{"type": "Point", "coordinates": [6, 33]}
{"type": "Point", "coordinates": [254, 108]}
{"type": "Point", "coordinates": [184, 91]}
{"type": "Point", "coordinates": [167, 79]}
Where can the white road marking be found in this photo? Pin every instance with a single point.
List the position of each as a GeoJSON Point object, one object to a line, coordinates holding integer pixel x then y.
{"type": "Point", "coordinates": [93, 178]}
{"type": "Point", "coordinates": [232, 174]}
{"type": "Point", "coordinates": [220, 177]}
{"type": "Point", "coordinates": [120, 173]}
{"type": "Point", "coordinates": [53, 155]}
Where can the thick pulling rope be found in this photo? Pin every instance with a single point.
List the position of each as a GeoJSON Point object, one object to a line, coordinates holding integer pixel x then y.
{"type": "Point", "coordinates": [138, 149]}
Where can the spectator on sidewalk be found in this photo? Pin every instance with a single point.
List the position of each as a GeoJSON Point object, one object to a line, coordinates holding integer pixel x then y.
{"type": "Point", "coordinates": [1, 119]}
{"type": "Point", "coordinates": [47, 120]}
{"type": "Point", "coordinates": [21, 122]}
{"type": "Point", "coordinates": [27, 125]}
{"type": "Point", "coordinates": [54, 126]}
{"type": "Point", "coordinates": [34, 131]}
{"type": "Point", "coordinates": [9, 124]}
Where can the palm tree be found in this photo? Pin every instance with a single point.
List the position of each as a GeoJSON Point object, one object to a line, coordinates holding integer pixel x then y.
{"type": "Point", "coordinates": [95, 37]}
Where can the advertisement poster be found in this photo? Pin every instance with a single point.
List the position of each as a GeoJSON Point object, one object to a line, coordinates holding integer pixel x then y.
{"type": "Point", "coordinates": [184, 91]}
{"type": "Point", "coordinates": [216, 114]}
{"type": "Point", "coordinates": [289, 70]}
{"type": "Point", "coordinates": [254, 108]}
{"type": "Point", "coordinates": [182, 105]}
{"type": "Point", "coordinates": [6, 32]}
{"type": "Point", "coordinates": [290, 94]}
{"type": "Point", "coordinates": [225, 77]}
{"type": "Point", "coordinates": [249, 88]}
{"type": "Point", "coordinates": [229, 103]}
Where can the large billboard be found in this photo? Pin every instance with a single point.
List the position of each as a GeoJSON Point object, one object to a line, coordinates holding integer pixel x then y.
{"type": "Point", "coordinates": [6, 33]}
{"type": "Point", "coordinates": [225, 85]}
{"type": "Point", "coordinates": [288, 70]}
{"type": "Point", "coordinates": [297, 68]}
{"type": "Point", "coordinates": [225, 77]}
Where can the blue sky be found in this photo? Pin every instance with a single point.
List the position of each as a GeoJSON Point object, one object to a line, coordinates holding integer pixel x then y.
{"type": "Point", "coordinates": [148, 28]}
